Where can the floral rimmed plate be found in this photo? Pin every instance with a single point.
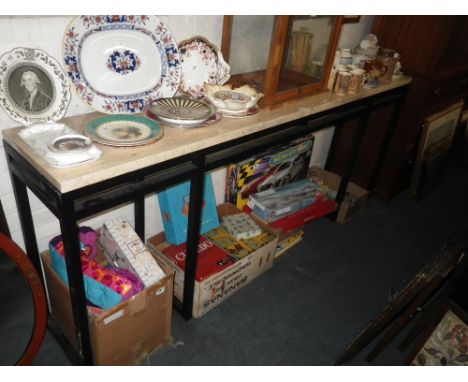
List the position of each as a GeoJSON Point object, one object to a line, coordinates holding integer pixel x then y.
{"type": "Point", "coordinates": [202, 63]}
{"type": "Point", "coordinates": [33, 87]}
{"type": "Point", "coordinates": [181, 111]}
{"type": "Point", "coordinates": [123, 130]}
{"type": "Point", "coordinates": [118, 64]}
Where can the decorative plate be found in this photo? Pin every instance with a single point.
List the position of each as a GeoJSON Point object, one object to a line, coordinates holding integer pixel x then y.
{"type": "Point", "coordinates": [118, 64]}
{"type": "Point", "coordinates": [182, 111]}
{"type": "Point", "coordinates": [33, 87]}
{"type": "Point", "coordinates": [123, 130]}
{"type": "Point", "coordinates": [202, 63]}
{"type": "Point", "coordinates": [238, 113]}
{"type": "Point", "coordinates": [215, 118]}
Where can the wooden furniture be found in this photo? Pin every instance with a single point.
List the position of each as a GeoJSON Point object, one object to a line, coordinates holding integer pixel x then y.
{"type": "Point", "coordinates": [296, 59]}
{"type": "Point", "coordinates": [434, 52]}
{"type": "Point", "coordinates": [127, 175]}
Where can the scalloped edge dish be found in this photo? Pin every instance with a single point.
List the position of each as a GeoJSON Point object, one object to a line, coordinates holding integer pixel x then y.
{"type": "Point", "coordinates": [207, 65]}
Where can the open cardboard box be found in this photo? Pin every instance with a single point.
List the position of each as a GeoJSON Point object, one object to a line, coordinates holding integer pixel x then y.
{"type": "Point", "coordinates": [211, 291]}
{"type": "Point", "coordinates": [124, 334]}
{"type": "Point", "coordinates": [354, 200]}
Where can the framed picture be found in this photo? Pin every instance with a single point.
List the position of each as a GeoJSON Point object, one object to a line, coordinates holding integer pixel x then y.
{"type": "Point", "coordinates": [436, 139]}
{"type": "Point", "coordinates": [33, 86]}
{"type": "Point", "coordinates": [446, 344]}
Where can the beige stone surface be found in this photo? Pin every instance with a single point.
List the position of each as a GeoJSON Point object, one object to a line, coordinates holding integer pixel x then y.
{"type": "Point", "coordinates": [176, 141]}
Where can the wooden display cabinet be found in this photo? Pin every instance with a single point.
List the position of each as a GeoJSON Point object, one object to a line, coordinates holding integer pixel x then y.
{"type": "Point", "coordinates": [281, 56]}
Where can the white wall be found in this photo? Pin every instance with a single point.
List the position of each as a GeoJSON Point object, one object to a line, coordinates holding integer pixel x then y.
{"type": "Point", "coordinates": [46, 33]}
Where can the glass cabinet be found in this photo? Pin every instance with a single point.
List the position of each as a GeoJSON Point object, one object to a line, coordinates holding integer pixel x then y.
{"type": "Point", "coordinates": [281, 56]}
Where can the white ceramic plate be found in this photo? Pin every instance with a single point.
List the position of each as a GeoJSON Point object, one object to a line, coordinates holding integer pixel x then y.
{"type": "Point", "coordinates": [202, 63]}
{"type": "Point", "coordinates": [118, 64]}
{"type": "Point", "coordinates": [33, 87]}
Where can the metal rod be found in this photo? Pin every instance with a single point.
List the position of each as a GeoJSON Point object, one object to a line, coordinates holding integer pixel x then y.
{"type": "Point", "coordinates": [71, 242]}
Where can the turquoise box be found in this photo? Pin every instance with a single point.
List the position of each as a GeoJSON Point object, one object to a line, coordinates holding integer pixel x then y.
{"type": "Point", "coordinates": [174, 206]}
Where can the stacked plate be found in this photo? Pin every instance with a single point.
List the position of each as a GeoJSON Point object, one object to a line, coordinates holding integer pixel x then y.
{"type": "Point", "coordinates": [181, 112]}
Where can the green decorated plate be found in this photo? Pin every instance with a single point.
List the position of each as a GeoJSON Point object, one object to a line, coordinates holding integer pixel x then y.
{"type": "Point", "coordinates": [123, 130]}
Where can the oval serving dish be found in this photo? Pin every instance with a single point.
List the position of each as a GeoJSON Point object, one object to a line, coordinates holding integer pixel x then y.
{"type": "Point", "coordinates": [118, 64]}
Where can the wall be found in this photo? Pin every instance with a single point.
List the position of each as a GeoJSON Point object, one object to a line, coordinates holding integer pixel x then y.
{"type": "Point", "coordinates": [46, 33]}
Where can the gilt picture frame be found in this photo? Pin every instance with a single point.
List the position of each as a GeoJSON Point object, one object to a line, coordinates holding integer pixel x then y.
{"type": "Point", "coordinates": [434, 144]}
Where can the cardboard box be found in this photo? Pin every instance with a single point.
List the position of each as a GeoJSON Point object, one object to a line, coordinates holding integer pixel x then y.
{"type": "Point", "coordinates": [125, 334]}
{"type": "Point", "coordinates": [218, 287]}
{"type": "Point", "coordinates": [355, 197]}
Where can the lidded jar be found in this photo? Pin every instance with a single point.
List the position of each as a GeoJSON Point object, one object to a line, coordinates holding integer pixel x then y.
{"type": "Point", "coordinates": [388, 58]}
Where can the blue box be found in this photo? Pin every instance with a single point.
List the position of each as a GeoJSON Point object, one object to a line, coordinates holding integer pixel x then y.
{"type": "Point", "coordinates": [174, 206]}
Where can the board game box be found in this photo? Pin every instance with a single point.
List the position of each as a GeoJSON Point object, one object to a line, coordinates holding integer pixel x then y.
{"type": "Point", "coordinates": [274, 167]}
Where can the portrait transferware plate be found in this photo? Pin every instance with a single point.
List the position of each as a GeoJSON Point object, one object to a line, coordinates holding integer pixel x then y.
{"type": "Point", "coordinates": [118, 64]}
{"type": "Point", "coordinates": [202, 63]}
{"type": "Point", "coordinates": [123, 130]}
{"type": "Point", "coordinates": [33, 87]}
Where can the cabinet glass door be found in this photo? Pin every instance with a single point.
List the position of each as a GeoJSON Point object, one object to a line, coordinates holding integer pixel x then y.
{"type": "Point", "coordinates": [306, 49]}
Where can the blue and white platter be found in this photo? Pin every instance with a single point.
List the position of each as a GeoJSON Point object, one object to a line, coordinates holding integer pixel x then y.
{"type": "Point", "coordinates": [119, 64]}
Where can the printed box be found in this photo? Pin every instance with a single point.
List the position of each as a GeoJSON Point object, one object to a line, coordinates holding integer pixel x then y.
{"type": "Point", "coordinates": [124, 248]}
{"type": "Point", "coordinates": [218, 287]}
{"type": "Point", "coordinates": [274, 167]}
{"type": "Point", "coordinates": [211, 259]}
{"type": "Point", "coordinates": [174, 206]}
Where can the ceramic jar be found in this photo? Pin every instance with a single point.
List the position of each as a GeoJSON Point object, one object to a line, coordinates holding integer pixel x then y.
{"type": "Point", "coordinates": [356, 81]}
{"type": "Point", "coordinates": [388, 58]}
{"type": "Point", "coordinates": [374, 70]}
{"type": "Point", "coordinates": [342, 82]}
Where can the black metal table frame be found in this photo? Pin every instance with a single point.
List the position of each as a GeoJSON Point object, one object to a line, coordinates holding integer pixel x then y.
{"type": "Point", "coordinates": [76, 205]}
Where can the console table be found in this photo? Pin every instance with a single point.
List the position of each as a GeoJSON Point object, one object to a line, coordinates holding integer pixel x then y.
{"type": "Point", "coordinates": [124, 175]}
